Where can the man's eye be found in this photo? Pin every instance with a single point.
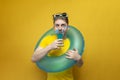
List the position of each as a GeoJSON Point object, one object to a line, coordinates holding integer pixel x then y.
{"type": "Point", "coordinates": [56, 25]}
{"type": "Point", "coordinates": [63, 25]}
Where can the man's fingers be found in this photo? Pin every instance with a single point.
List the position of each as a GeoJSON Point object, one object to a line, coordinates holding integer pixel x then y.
{"type": "Point", "coordinates": [69, 57]}
{"type": "Point", "coordinates": [69, 54]}
{"type": "Point", "coordinates": [59, 45]}
{"type": "Point", "coordinates": [75, 49]}
{"type": "Point", "coordinates": [59, 42]}
{"type": "Point", "coordinates": [71, 51]}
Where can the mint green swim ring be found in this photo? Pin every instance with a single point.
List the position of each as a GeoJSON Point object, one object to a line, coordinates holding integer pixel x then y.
{"type": "Point", "coordinates": [60, 63]}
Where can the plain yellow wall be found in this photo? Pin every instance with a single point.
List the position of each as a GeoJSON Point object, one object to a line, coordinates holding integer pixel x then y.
{"type": "Point", "coordinates": [22, 22]}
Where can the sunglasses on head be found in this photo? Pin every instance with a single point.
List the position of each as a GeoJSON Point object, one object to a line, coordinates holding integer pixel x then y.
{"type": "Point", "coordinates": [60, 15]}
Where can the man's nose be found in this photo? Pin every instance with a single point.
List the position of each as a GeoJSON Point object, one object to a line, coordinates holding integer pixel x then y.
{"type": "Point", "coordinates": [60, 28]}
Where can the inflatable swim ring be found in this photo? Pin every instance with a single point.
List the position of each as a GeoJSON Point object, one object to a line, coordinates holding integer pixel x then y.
{"type": "Point", "coordinates": [60, 63]}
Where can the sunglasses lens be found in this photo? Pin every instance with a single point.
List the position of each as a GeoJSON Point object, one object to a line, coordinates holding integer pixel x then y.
{"type": "Point", "coordinates": [57, 15]}
{"type": "Point", "coordinates": [64, 15]}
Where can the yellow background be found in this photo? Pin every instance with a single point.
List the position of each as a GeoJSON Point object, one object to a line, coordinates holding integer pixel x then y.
{"type": "Point", "coordinates": [22, 22]}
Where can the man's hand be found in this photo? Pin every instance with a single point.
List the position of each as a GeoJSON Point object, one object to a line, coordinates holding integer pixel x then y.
{"type": "Point", "coordinates": [56, 44]}
{"type": "Point", "coordinates": [73, 54]}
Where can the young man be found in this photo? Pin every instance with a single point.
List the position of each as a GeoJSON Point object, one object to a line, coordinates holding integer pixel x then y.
{"type": "Point", "coordinates": [60, 26]}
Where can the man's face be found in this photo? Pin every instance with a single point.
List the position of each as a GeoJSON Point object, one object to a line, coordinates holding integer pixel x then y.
{"type": "Point", "coordinates": [60, 26]}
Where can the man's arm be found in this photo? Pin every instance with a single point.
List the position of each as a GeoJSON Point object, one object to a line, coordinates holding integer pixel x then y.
{"type": "Point", "coordinates": [79, 62]}
{"type": "Point", "coordinates": [40, 53]}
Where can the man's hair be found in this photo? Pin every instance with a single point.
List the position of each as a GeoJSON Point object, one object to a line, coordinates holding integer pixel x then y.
{"type": "Point", "coordinates": [62, 16]}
